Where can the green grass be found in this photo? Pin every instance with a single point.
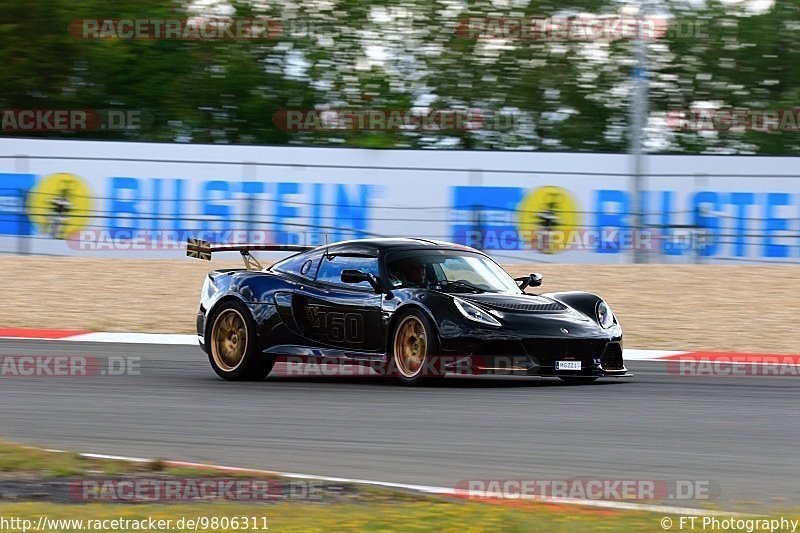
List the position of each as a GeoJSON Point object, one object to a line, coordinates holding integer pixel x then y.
{"type": "Point", "coordinates": [15, 459]}
{"type": "Point", "coordinates": [372, 509]}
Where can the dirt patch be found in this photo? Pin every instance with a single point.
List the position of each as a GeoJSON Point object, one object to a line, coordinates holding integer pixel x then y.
{"type": "Point", "coordinates": [697, 307]}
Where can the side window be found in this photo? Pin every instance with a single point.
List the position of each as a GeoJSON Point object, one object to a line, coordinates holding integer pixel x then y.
{"type": "Point", "coordinates": [304, 265]}
{"type": "Point", "coordinates": [330, 270]}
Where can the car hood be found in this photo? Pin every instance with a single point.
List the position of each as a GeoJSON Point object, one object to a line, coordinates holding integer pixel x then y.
{"type": "Point", "coordinates": [513, 303]}
{"type": "Point", "coordinates": [540, 315]}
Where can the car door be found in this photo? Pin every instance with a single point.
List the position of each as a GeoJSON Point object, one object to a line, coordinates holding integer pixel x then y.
{"type": "Point", "coordinates": [341, 315]}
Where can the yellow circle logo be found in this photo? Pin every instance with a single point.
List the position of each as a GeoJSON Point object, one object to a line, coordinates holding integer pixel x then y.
{"type": "Point", "coordinates": [551, 216]}
{"type": "Point", "coordinates": [60, 204]}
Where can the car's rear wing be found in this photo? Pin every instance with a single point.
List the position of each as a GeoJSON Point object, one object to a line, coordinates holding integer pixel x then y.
{"type": "Point", "coordinates": [201, 249]}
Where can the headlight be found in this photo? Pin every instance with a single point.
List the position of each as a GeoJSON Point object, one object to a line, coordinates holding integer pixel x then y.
{"type": "Point", "coordinates": [475, 313]}
{"type": "Point", "coordinates": [604, 315]}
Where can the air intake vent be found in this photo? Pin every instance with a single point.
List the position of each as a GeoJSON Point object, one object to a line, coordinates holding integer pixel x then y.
{"type": "Point", "coordinates": [548, 307]}
{"type": "Point", "coordinates": [612, 357]}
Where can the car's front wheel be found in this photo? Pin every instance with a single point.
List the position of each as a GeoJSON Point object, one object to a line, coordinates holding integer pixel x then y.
{"type": "Point", "coordinates": [232, 347]}
{"type": "Point", "coordinates": [413, 342]}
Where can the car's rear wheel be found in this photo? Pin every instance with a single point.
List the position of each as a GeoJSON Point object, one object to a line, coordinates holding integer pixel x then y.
{"type": "Point", "coordinates": [413, 342]}
{"type": "Point", "coordinates": [232, 347]}
{"type": "Point", "coordinates": [577, 380]}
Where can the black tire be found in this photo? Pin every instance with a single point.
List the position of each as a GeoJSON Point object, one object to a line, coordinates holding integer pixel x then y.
{"type": "Point", "coordinates": [424, 335]}
{"type": "Point", "coordinates": [577, 380]}
{"type": "Point", "coordinates": [230, 359]}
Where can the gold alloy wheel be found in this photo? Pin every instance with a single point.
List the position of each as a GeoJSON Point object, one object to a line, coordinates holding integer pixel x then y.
{"type": "Point", "coordinates": [229, 340]}
{"type": "Point", "coordinates": [410, 346]}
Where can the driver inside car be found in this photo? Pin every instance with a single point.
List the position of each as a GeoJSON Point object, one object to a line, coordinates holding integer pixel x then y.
{"type": "Point", "coordinates": [410, 274]}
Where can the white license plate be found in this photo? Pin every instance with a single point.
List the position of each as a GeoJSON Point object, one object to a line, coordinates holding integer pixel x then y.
{"type": "Point", "coordinates": [568, 365]}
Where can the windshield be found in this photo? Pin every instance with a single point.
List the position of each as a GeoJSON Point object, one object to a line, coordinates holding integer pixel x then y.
{"type": "Point", "coordinates": [449, 271]}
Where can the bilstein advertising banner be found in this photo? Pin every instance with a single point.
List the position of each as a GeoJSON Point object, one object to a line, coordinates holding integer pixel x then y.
{"type": "Point", "coordinates": [144, 200]}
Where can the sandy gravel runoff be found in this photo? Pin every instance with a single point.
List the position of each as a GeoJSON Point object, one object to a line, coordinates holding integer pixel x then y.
{"type": "Point", "coordinates": [692, 307]}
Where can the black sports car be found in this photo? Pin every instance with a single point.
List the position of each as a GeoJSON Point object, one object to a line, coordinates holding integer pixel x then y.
{"type": "Point", "coordinates": [410, 308]}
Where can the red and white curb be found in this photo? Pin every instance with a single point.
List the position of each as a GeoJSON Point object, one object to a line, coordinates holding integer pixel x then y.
{"type": "Point", "coordinates": [422, 489]}
{"type": "Point", "coordinates": [39, 334]}
{"type": "Point", "coordinates": [630, 354]}
{"type": "Point", "coordinates": [97, 336]}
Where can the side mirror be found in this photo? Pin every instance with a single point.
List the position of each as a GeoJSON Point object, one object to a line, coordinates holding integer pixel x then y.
{"type": "Point", "coordinates": [531, 280]}
{"type": "Point", "coordinates": [357, 276]}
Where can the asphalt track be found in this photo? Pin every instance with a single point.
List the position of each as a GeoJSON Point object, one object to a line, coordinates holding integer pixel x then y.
{"type": "Point", "coordinates": [740, 434]}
